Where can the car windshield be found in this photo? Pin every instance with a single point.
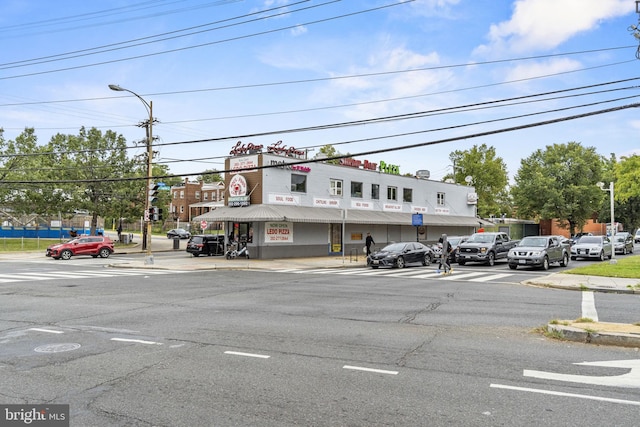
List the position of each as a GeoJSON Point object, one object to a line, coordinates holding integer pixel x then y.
{"type": "Point", "coordinates": [394, 247]}
{"type": "Point", "coordinates": [481, 238]}
{"type": "Point", "coordinates": [590, 239]}
{"type": "Point", "coordinates": [196, 239]}
{"type": "Point", "coordinates": [620, 238]}
{"type": "Point", "coordinates": [454, 241]}
{"type": "Point", "coordinates": [534, 241]}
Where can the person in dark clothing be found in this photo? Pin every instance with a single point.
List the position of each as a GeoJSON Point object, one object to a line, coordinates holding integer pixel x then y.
{"type": "Point", "coordinates": [444, 266]}
{"type": "Point", "coordinates": [368, 242]}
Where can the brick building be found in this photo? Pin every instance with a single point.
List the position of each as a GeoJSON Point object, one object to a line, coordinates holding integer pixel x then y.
{"type": "Point", "coordinates": [194, 198]}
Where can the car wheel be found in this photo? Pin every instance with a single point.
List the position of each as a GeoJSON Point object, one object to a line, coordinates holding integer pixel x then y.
{"type": "Point", "coordinates": [461, 262]}
{"type": "Point", "coordinates": [427, 260]}
{"type": "Point", "coordinates": [195, 255]}
{"type": "Point", "coordinates": [565, 260]}
{"type": "Point", "coordinates": [400, 262]}
{"type": "Point", "coordinates": [601, 257]}
{"type": "Point", "coordinates": [375, 267]}
{"type": "Point", "coordinates": [573, 258]}
{"type": "Point", "coordinates": [491, 259]}
{"type": "Point", "coordinates": [513, 266]}
{"type": "Point", "coordinates": [104, 253]}
{"type": "Point", "coordinates": [545, 263]}
{"type": "Point", "coordinates": [66, 254]}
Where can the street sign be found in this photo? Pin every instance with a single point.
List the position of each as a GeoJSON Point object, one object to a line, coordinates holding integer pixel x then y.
{"type": "Point", "coordinates": [203, 225]}
{"type": "Point", "coordinates": [416, 219]}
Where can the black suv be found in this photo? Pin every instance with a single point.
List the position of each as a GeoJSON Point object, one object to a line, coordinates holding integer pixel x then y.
{"type": "Point", "coordinates": [206, 244]}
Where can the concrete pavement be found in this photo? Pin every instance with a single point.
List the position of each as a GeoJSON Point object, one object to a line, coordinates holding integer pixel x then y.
{"type": "Point", "coordinates": [587, 332]}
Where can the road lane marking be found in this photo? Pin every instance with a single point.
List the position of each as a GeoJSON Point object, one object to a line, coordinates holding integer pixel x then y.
{"type": "Point", "coordinates": [378, 371]}
{"type": "Point", "coordinates": [491, 277]}
{"type": "Point", "coordinates": [589, 306]}
{"type": "Point", "coordinates": [135, 341]}
{"type": "Point", "coordinates": [50, 331]}
{"type": "Point", "coordinates": [239, 353]}
{"type": "Point", "coordinates": [559, 393]}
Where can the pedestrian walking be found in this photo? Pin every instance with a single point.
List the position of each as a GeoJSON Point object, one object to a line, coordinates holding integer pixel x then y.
{"type": "Point", "coordinates": [444, 265]}
{"type": "Point", "coordinates": [368, 242]}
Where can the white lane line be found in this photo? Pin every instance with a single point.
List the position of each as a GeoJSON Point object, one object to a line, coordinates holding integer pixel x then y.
{"type": "Point", "coordinates": [589, 306]}
{"type": "Point", "coordinates": [491, 277]}
{"type": "Point", "coordinates": [558, 393]}
{"type": "Point", "coordinates": [50, 331]}
{"type": "Point", "coordinates": [378, 371]}
{"type": "Point", "coordinates": [135, 341]}
{"type": "Point", "coordinates": [455, 276]}
{"type": "Point", "coordinates": [238, 353]}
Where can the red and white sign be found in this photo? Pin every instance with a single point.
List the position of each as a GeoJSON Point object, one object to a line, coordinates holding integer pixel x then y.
{"type": "Point", "coordinates": [203, 225]}
{"type": "Point", "coordinates": [278, 232]}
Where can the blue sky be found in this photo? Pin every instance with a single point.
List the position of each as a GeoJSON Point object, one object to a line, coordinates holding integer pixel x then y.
{"type": "Point", "coordinates": [219, 72]}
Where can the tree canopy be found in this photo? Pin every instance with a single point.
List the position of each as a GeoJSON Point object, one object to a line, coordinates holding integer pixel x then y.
{"type": "Point", "coordinates": [488, 174]}
{"type": "Point", "coordinates": [559, 182]}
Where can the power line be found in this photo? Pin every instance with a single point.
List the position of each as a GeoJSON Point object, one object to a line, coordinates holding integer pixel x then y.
{"type": "Point", "coordinates": [362, 153]}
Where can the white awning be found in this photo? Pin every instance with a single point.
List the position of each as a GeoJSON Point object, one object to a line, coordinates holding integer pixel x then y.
{"type": "Point", "coordinates": [258, 213]}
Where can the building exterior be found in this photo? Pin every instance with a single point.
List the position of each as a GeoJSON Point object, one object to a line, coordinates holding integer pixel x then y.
{"type": "Point", "coordinates": [281, 204]}
{"type": "Point", "coordinates": [195, 198]}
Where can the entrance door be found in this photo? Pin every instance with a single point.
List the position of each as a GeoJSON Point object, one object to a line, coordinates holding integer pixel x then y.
{"type": "Point", "coordinates": [335, 237]}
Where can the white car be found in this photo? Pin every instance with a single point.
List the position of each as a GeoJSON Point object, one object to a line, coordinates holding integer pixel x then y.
{"type": "Point", "coordinates": [598, 247]}
{"type": "Point", "coordinates": [636, 239]}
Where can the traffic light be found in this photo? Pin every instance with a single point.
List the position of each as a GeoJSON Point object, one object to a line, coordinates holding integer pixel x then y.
{"type": "Point", "coordinates": [155, 213]}
{"type": "Point", "coordinates": [153, 193]}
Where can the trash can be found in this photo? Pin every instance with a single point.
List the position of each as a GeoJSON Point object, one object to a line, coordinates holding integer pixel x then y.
{"type": "Point", "coordinates": [176, 243]}
{"type": "Point", "coordinates": [125, 238]}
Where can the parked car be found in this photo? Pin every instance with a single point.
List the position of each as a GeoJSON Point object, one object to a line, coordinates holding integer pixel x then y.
{"type": "Point", "coordinates": [485, 248]}
{"type": "Point", "coordinates": [574, 239]}
{"type": "Point", "coordinates": [206, 244]}
{"type": "Point", "coordinates": [400, 254]}
{"type": "Point", "coordinates": [180, 233]}
{"type": "Point", "coordinates": [539, 251]}
{"type": "Point", "coordinates": [88, 245]}
{"type": "Point", "coordinates": [598, 247]}
{"type": "Point", "coordinates": [623, 243]}
{"type": "Point", "coordinates": [454, 241]}
{"type": "Point", "coordinates": [636, 239]}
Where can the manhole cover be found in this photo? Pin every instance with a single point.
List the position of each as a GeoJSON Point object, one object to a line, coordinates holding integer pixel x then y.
{"type": "Point", "coordinates": [57, 348]}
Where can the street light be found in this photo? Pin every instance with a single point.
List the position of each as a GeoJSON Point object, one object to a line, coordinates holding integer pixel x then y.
{"type": "Point", "coordinates": [613, 228]}
{"type": "Point", "coordinates": [146, 238]}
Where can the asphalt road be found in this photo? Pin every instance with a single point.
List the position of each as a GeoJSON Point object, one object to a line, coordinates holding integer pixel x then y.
{"type": "Point", "coordinates": [264, 348]}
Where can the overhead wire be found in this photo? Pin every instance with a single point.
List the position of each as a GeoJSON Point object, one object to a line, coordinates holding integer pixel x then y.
{"type": "Point", "coordinates": [361, 153]}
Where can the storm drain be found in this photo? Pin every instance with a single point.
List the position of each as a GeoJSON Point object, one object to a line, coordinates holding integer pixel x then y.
{"type": "Point", "coordinates": [57, 348]}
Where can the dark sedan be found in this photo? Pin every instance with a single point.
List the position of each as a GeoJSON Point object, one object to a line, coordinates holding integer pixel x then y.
{"type": "Point", "coordinates": [400, 254]}
{"type": "Point", "coordinates": [180, 233]}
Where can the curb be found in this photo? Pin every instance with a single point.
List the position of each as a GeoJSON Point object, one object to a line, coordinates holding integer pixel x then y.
{"type": "Point", "coordinates": [571, 333]}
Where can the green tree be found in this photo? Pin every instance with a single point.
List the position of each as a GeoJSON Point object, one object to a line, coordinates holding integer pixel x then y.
{"type": "Point", "coordinates": [627, 191]}
{"type": "Point", "coordinates": [210, 176]}
{"type": "Point", "coordinates": [560, 183]}
{"type": "Point", "coordinates": [488, 174]}
{"type": "Point", "coordinates": [98, 174]}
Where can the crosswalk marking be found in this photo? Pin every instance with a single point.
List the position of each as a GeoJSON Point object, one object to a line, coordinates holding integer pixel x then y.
{"type": "Point", "coordinates": [81, 274]}
{"type": "Point", "coordinates": [413, 273]}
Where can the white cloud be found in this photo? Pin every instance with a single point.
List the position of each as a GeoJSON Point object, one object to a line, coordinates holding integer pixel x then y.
{"type": "Point", "coordinates": [298, 30]}
{"type": "Point", "coordinates": [545, 24]}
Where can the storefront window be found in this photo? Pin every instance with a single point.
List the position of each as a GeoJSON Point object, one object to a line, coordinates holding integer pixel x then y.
{"type": "Point", "coordinates": [241, 232]}
{"type": "Point", "coordinates": [298, 183]}
{"type": "Point", "coordinates": [356, 189]}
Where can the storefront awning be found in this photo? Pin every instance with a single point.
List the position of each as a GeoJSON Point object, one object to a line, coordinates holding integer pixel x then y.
{"type": "Point", "coordinates": [258, 213]}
